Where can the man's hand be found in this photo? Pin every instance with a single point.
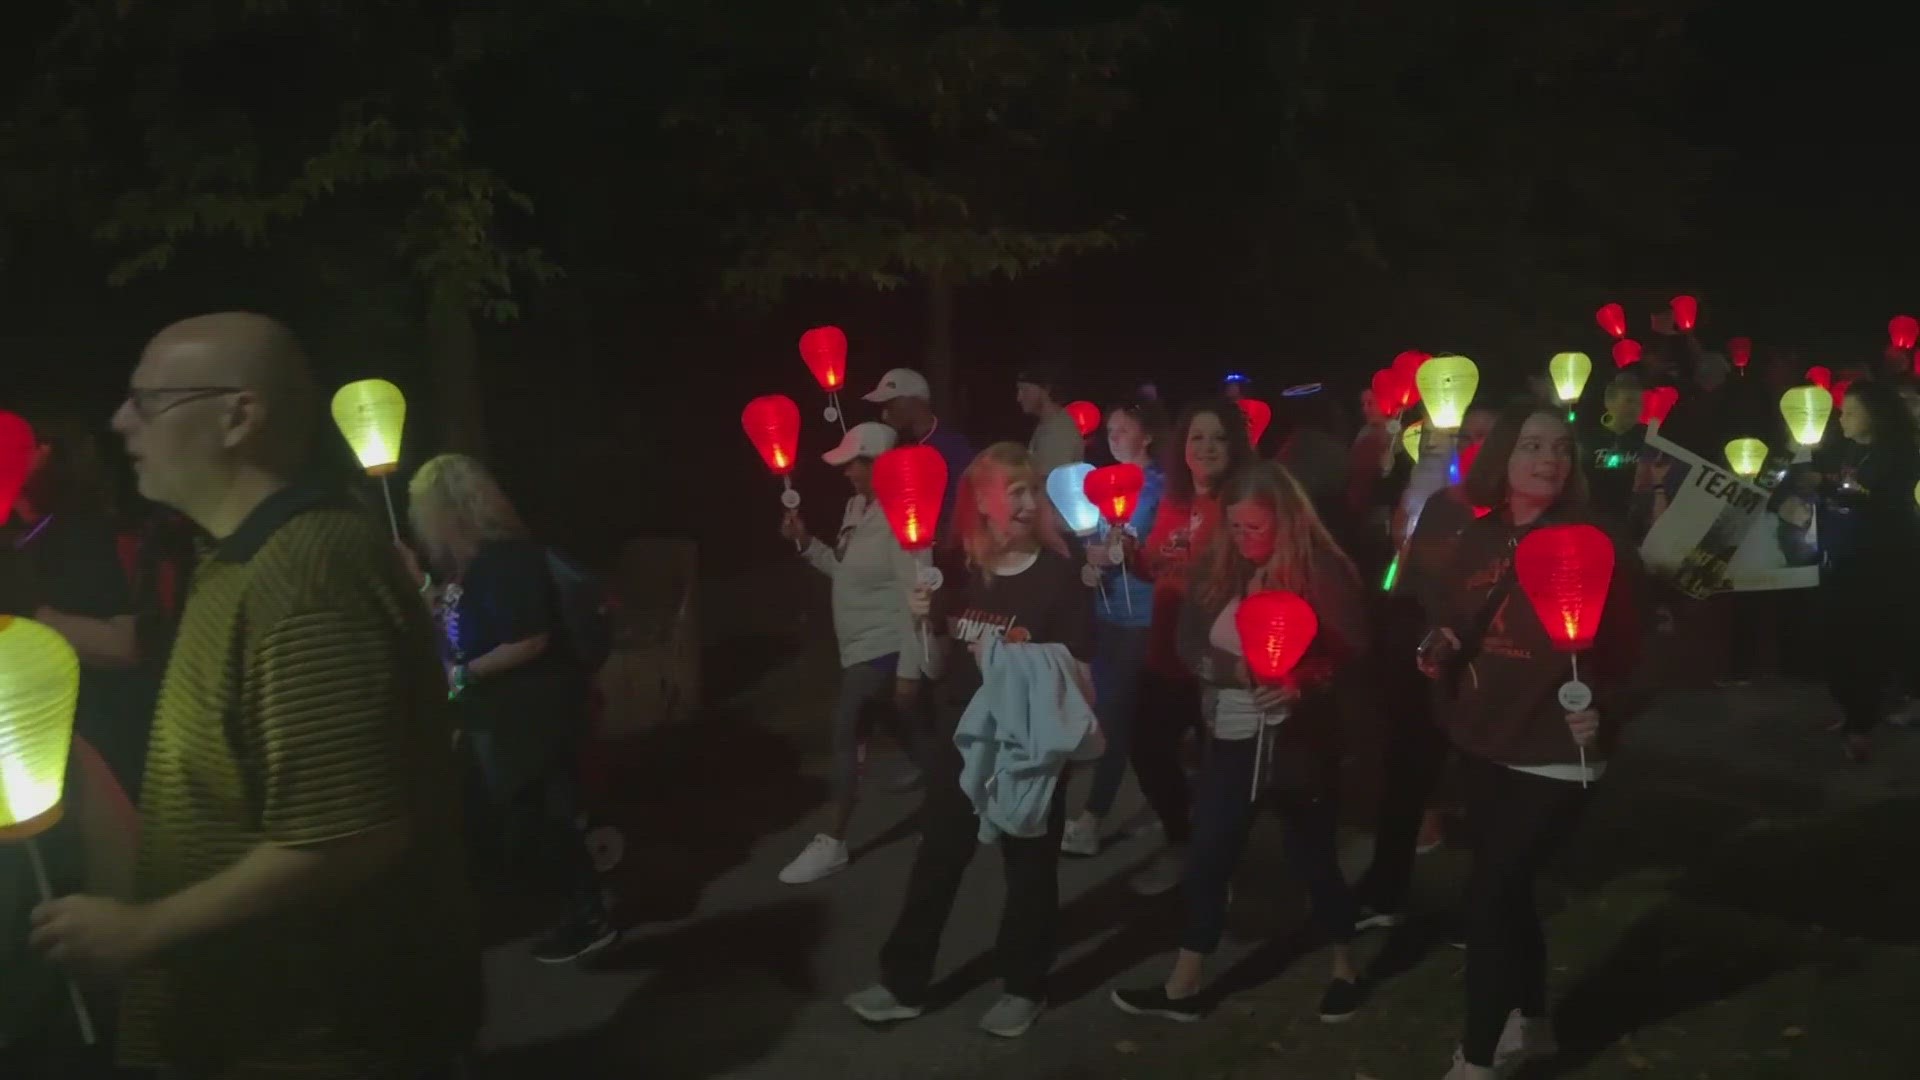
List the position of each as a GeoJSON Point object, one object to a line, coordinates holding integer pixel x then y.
{"type": "Point", "coordinates": [1272, 699]}
{"type": "Point", "coordinates": [94, 936]}
{"type": "Point", "coordinates": [920, 602]}
{"type": "Point", "coordinates": [1584, 726]}
{"type": "Point", "coordinates": [793, 528]}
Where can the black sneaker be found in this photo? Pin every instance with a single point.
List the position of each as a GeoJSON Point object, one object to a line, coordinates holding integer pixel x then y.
{"type": "Point", "coordinates": [1341, 1001]}
{"type": "Point", "coordinates": [574, 939]}
{"type": "Point", "coordinates": [1153, 1001]}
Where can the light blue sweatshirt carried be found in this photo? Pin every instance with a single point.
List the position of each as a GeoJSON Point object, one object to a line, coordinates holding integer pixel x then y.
{"type": "Point", "coordinates": [1031, 717]}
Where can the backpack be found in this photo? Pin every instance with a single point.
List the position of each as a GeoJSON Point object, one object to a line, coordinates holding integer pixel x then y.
{"type": "Point", "coordinates": [586, 611]}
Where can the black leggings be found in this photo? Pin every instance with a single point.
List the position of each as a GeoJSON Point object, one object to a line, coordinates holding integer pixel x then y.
{"type": "Point", "coordinates": [1414, 760]}
{"type": "Point", "coordinates": [1863, 665]}
{"type": "Point", "coordinates": [1169, 709]}
{"type": "Point", "coordinates": [1516, 821]}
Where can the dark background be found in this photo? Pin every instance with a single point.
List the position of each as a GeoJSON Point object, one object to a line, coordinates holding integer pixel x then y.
{"type": "Point", "coordinates": [1295, 191]}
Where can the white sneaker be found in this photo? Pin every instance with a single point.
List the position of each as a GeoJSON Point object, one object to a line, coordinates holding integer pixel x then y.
{"type": "Point", "coordinates": [1523, 1040]}
{"type": "Point", "coordinates": [823, 857]}
{"type": "Point", "coordinates": [1011, 1016]}
{"type": "Point", "coordinates": [1463, 1071]}
{"type": "Point", "coordinates": [1082, 836]}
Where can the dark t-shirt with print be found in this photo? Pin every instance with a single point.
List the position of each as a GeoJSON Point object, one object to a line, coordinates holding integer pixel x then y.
{"type": "Point", "coordinates": [1044, 604]}
{"type": "Point", "coordinates": [505, 596]}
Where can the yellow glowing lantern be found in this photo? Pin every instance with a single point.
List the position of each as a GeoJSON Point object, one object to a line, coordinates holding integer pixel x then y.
{"type": "Point", "coordinates": [1806, 410]}
{"type": "Point", "coordinates": [1570, 371]}
{"type": "Point", "coordinates": [1410, 438]}
{"type": "Point", "coordinates": [370, 414]}
{"type": "Point", "coordinates": [39, 683]}
{"type": "Point", "coordinates": [1746, 456]}
{"type": "Point", "coordinates": [1446, 386]}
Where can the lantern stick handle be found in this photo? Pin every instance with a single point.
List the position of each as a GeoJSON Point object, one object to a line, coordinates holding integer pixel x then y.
{"type": "Point", "coordinates": [1126, 590]}
{"type": "Point", "coordinates": [840, 414]}
{"type": "Point", "coordinates": [80, 1014]}
{"type": "Point", "coordinates": [393, 520]}
{"type": "Point", "coordinates": [1582, 747]}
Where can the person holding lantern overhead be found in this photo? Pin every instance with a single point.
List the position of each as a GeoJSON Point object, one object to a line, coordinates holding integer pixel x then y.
{"type": "Point", "coordinates": [65, 534]}
{"type": "Point", "coordinates": [906, 406]}
{"type": "Point", "coordinates": [1272, 540]}
{"type": "Point", "coordinates": [1208, 448]}
{"type": "Point", "coordinates": [1526, 758]}
{"type": "Point", "coordinates": [881, 655]}
{"type": "Point", "coordinates": [1861, 490]}
{"type": "Point", "coordinates": [298, 908]}
{"type": "Point", "coordinates": [519, 692]}
{"type": "Point", "coordinates": [1019, 588]}
{"type": "Point", "coordinates": [1123, 620]}
{"type": "Point", "coordinates": [1056, 438]}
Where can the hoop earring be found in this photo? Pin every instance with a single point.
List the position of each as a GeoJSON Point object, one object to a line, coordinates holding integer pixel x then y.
{"type": "Point", "coordinates": [1606, 419]}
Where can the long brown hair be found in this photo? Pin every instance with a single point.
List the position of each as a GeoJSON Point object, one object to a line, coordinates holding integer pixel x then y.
{"type": "Point", "coordinates": [1001, 464]}
{"type": "Point", "coordinates": [1302, 546]}
{"type": "Point", "coordinates": [1174, 456]}
{"type": "Point", "coordinates": [1486, 482]}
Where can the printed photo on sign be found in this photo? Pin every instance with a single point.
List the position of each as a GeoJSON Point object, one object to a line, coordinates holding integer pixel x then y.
{"type": "Point", "coordinates": [1713, 532]}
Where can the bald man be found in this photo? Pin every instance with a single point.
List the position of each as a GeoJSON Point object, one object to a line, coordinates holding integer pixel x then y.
{"type": "Point", "coordinates": [298, 908]}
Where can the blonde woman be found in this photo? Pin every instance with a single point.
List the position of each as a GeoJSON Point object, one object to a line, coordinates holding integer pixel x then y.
{"type": "Point", "coordinates": [519, 698]}
{"type": "Point", "coordinates": [1020, 586]}
{"type": "Point", "coordinates": [1272, 539]}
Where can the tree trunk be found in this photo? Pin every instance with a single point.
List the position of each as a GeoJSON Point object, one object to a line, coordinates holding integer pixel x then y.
{"type": "Point", "coordinates": [939, 371]}
{"type": "Point", "coordinates": [454, 351]}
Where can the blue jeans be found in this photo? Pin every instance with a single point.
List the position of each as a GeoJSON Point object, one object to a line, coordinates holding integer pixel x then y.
{"type": "Point", "coordinates": [1223, 816]}
{"type": "Point", "coordinates": [1120, 653]}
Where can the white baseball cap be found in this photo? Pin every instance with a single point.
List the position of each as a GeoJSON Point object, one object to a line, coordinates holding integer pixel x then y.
{"type": "Point", "coordinates": [898, 383]}
{"type": "Point", "coordinates": [868, 440]}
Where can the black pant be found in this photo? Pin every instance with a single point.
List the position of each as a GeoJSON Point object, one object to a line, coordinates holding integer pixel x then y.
{"type": "Point", "coordinates": [539, 829]}
{"type": "Point", "coordinates": [1859, 614]}
{"type": "Point", "coordinates": [1415, 757]}
{"type": "Point", "coordinates": [1169, 709]}
{"type": "Point", "coordinates": [949, 836]}
{"type": "Point", "coordinates": [1517, 821]}
{"type": "Point", "coordinates": [1306, 795]}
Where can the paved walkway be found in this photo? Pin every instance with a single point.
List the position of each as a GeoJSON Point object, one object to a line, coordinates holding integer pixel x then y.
{"type": "Point", "coordinates": [731, 974]}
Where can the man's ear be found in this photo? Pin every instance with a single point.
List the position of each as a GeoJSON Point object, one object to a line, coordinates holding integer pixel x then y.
{"type": "Point", "coordinates": [244, 418]}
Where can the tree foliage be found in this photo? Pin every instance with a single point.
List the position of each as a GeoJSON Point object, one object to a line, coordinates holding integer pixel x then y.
{"type": "Point", "coordinates": [901, 139]}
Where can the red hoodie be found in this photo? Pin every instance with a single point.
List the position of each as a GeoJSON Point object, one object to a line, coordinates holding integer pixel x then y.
{"type": "Point", "coordinates": [1505, 707]}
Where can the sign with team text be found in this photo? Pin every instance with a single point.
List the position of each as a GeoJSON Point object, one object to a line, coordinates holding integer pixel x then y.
{"type": "Point", "coordinates": [1712, 532]}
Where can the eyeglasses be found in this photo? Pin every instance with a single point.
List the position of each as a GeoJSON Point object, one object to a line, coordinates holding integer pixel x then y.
{"type": "Point", "coordinates": [151, 402]}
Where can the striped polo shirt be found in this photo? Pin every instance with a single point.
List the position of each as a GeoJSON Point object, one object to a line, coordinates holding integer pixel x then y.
{"type": "Point", "coordinates": [304, 703]}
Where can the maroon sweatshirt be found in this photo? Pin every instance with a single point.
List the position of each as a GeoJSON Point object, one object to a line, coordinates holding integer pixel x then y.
{"type": "Point", "coordinates": [1505, 707]}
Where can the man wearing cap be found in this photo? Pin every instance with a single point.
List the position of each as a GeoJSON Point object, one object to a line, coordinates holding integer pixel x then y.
{"type": "Point", "coordinates": [1056, 440]}
{"type": "Point", "coordinates": [906, 406]}
{"type": "Point", "coordinates": [881, 655]}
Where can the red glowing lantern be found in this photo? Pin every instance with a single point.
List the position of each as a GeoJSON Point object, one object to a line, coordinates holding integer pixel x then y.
{"type": "Point", "coordinates": [772, 422]}
{"type": "Point", "coordinates": [17, 445]}
{"type": "Point", "coordinates": [1407, 366]}
{"type": "Point", "coordinates": [1626, 353]}
{"type": "Point", "coordinates": [1613, 319]}
{"type": "Point", "coordinates": [1086, 416]}
{"type": "Point", "coordinates": [1259, 414]}
{"type": "Point", "coordinates": [1275, 630]}
{"type": "Point", "coordinates": [1390, 393]}
{"type": "Point", "coordinates": [1657, 403]}
{"type": "Point", "coordinates": [1821, 376]}
{"type": "Point", "coordinates": [910, 483]}
{"type": "Point", "coordinates": [1566, 570]}
{"type": "Point", "coordinates": [1903, 331]}
{"type": "Point", "coordinates": [824, 348]}
{"type": "Point", "coordinates": [1115, 490]}
{"type": "Point", "coordinates": [1839, 391]}
{"type": "Point", "coordinates": [1686, 312]}
{"type": "Point", "coordinates": [1740, 351]}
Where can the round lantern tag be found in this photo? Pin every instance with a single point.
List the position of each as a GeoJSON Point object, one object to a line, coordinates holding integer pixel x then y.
{"type": "Point", "coordinates": [1576, 696]}
{"type": "Point", "coordinates": [1089, 577]}
{"type": "Point", "coordinates": [930, 578]}
{"type": "Point", "coordinates": [1393, 427]}
{"type": "Point", "coordinates": [830, 413]}
{"type": "Point", "coordinates": [790, 499]}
